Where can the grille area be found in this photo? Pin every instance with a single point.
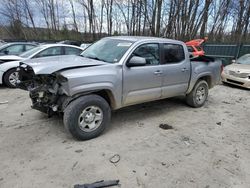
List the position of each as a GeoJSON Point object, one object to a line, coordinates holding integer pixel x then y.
{"type": "Point", "coordinates": [240, 75]}
{"type": "Point", "coordinates": [235, 82]}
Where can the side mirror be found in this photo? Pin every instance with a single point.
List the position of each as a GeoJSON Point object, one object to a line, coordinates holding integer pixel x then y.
{"type": "Point", "coordinates": [136, 61]}
{"type": "Point", "coordinates": [6, 52]}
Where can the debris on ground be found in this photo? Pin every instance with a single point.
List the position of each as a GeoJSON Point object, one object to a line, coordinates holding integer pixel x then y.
{"type": "Point", "coordinates": [186, 140]}
{"type": "Point", "coordinates": [140, 124]}
{"type": "Point", "coordinates": [4, 102]}
{"type": "Point", "coordinates": [165, 126]}
{"type": "Point", "coordinates": [115, 158]}
{"type": "Point", "coordinates": [99, 184]}
{"type": "Point", "coordinates": [74, 165]}
{"type": "Point", "coordinates": [218, 123]}
{"type": "Point", "coordinates": [79, 151]}
{"type": "Point", "coordinates": [225, 102]}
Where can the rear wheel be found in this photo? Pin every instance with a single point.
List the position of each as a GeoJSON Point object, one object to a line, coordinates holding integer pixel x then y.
{"type": "Point", "coordinates": [10, 78]}
{"type": "Point", "coordinates": [87, 117]}
{"type": "Point", "coordinates": [198, 96]}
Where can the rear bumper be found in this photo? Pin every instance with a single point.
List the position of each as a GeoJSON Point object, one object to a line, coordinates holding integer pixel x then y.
{"type": "Point", "coordinates": [242, 82]}
{"type": "Point", "coordinates": [1, 77]}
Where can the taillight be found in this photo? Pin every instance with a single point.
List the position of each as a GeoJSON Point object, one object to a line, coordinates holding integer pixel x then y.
{"type": "Point", "coordinates": [221, 68]}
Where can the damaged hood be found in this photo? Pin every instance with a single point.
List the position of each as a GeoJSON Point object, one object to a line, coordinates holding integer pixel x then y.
{"type": "Point", "coordinates": [48, 65]}
{"type": "Point", "coordinates": [240, 68]}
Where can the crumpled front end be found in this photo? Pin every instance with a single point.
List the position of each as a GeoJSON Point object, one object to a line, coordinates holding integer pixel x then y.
{"type": "Point", "coordinates": [46, 91]}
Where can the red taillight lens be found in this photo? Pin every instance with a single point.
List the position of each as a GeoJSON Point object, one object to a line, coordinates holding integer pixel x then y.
{"type": "Point", "coordinates": [221, 68]}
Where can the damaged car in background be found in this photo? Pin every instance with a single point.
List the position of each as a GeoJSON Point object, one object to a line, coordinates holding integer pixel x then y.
{"type": "Point", "coordinates": [8, 73]}
{"type": "Point", "coordinates": [238, 73]}
{"type": "Point", "coordinates": [112, 73]}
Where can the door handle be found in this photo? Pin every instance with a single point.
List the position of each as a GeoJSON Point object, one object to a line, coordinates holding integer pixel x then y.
{"type": "Point", "coordinates": [184, 69]}
{"type": "Point", "coordinates": [158, 72]}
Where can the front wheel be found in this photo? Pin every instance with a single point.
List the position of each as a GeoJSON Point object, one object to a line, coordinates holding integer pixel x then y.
{"type": "Point", "coordinates": [198, 96]}
{"type": "Point", "coordinates": [10, 78]}
{"type": "Point", "coordinates": [87, 117]}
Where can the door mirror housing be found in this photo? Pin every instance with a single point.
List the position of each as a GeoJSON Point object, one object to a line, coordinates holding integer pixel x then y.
{"type": "Point", "coordinates": [136, 61]}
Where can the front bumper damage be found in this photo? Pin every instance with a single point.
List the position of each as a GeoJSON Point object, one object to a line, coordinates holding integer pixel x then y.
{"type": "Point", "coordinates": [238, 81]}
{"type": "Point", "coordinates": [45, 91]}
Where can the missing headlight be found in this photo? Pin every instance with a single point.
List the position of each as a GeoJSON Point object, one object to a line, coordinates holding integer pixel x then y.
{"type": "Point", "coordinates": [61, 78]}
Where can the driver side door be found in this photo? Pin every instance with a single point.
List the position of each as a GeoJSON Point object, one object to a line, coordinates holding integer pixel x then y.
{"type": "Point", "coordinates": [143, 83]}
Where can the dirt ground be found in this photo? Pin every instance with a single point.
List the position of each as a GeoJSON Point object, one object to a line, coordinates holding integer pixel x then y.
{"type": "Point", "coordinates": [208, 147]}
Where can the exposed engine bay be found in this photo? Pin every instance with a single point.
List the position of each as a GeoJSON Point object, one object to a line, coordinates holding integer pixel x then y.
{"type": "Point", "coordinates": [44, 90]}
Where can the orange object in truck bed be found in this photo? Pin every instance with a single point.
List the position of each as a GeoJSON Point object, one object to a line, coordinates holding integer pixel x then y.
{"type": "Point", "coordinates": [194, 47]}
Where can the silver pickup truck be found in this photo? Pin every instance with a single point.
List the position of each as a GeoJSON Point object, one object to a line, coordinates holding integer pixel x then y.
{"type": "Point", "coordinates": [113, 73]}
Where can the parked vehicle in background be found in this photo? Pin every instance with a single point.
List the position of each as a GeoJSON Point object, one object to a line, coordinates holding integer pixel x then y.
{"type": "Point", "coordinates": [70, 42]}
{"type": "Point", "coordinates": [85, 45]}
{"type": "Point", "coordinates": [238, 73]}
{"type": "Point", "coordinates": [2, 42]}
{"type": "Point", "coordinates": [194, 47]}
{"type": "Point", "coordinates": [16, 48]}
{"type": "Point", "coordinates": [8, 64]}
{"type": "Point", "coordinates": [113, 73]}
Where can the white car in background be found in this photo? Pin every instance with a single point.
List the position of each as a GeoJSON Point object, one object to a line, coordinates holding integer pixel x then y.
{"type": "Point", "coordinates": [85, 45]}
{"type": "Point", "coordinates": [8, 64]}
{"type": "Point", "coordinates": [238, 73]}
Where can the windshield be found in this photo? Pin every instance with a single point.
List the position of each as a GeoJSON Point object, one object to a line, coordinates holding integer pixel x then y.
{"type": "Point", "coordinates": [107, 49]}
{"type": "Point", "coordinates": [30, 52]}
{"type": "Point", "coordinates": [245, 59]}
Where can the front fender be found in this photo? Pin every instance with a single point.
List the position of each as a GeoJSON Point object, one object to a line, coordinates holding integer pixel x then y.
{"type": "Point", "coordinates": [79, 90]}
{"type": "Point", "coordinates": [9, 65]}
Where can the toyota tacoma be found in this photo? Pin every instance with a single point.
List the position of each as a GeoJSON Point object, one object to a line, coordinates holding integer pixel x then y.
{"type": "Point", "coordinates": [112, 73]}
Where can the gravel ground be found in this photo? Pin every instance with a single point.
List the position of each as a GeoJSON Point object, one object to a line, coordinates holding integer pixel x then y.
{"type": "Point", "coordinates": [207, 147]}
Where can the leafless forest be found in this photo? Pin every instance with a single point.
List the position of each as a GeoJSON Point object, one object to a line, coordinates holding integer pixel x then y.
{"type": "Point", "coordinates": [220, 20]}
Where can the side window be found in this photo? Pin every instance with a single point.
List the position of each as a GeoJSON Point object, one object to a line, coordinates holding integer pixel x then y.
{"type": "Point", "coordinates": [150, 52]}
{"type": "Point", "coordinates": [173, 53]}
{"type": "Point", "coordinates": [52, 51]}
{"type": "Point", "coordinates": [28, 47]}
{"type": "Point", "coordinates": [72, 51]}
{"type": "Point", "coordinates": [14, 49]}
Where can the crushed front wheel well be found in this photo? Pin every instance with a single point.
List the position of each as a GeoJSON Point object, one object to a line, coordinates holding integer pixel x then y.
{"type": "Point", "coordinates": [105, 94]}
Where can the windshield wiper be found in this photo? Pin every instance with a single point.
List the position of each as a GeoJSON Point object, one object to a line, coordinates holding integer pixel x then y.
{"type": "Point", "coordinates": [96, 58]}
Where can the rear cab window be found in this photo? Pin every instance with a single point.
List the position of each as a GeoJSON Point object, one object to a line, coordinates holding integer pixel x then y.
{"type": "Point", "coordinates": [173, 53]}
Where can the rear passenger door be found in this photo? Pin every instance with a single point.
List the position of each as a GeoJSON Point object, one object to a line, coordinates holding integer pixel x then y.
{"type": "Point", "coordinates": [176, 70]}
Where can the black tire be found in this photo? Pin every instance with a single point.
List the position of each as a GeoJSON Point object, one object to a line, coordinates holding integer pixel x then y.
{"type": "Point", "coordinates": [192, 98]}
{"type": "Point", "coordinates": [73, 114]}
{"type": "Point", "coordinates": [6, 78]}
